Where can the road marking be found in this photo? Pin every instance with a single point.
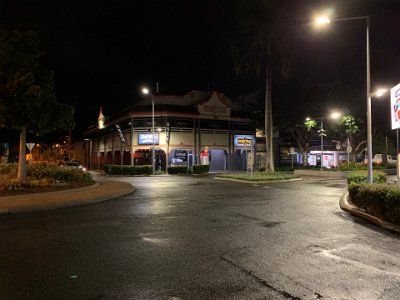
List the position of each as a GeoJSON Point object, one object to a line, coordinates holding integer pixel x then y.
{"type": "Point", "coordinates": [332, 254]}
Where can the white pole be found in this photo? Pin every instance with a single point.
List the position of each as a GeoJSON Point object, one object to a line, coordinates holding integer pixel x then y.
{"type": "Point", "coordinates": [252, 157]}
{"type": "Point", "coordinates": [90, 153]}
{"type": "Point", "coordinates": [369, 118]}
{"type": "Point", "coordinates": [322, 143]}
{"type": "Point", "coordinates": [398, 157]}
{"type": "Point", "coordinates": [152, 123]}
{"type": "Point", "coordinates": [348, 152]}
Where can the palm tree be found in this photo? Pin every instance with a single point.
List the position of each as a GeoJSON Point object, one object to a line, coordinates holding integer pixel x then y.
{"type": "Point", "coordinates": [260, 40]}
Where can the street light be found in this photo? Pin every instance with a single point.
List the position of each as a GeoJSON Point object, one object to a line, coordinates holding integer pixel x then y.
{"type": "Point", "coordinates": [326, 20]}
{"type": "Point", "coordinates": [147, 92]}
{"type": "Point", "coordinates": [334, 115]}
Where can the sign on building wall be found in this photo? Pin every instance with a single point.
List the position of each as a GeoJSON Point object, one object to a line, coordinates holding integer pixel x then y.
{"type": "Point", "coordinates": [181, 155]}
{"type": "Point", "coordinates": [147, 139]}
{"type": "Point", "coordinates": [244, 140]}
{"type": "Point", "coordinates": [395, 106]}
{"type": "Point", "coordinates": [120, 134]}
{"type": "Point", "coordinates": [216, 106]}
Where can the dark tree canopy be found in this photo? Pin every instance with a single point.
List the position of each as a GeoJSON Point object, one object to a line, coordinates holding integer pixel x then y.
{"type": "Point", "coordinates": [27, 97]}
{"type": "Point", "coordinates": [27, 88]}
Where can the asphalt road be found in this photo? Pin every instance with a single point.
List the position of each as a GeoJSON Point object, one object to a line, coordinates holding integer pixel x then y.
{"type": "Point", "coordinates": [199, 238]}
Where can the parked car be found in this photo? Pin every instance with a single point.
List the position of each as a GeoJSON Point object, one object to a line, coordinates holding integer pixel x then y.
{"type": "Point", "coordinates": [73, 164]}
{"type": "Point", "coordinates": [378, 159]}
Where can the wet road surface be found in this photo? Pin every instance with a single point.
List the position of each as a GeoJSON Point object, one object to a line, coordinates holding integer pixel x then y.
{"type": "Point", "coordinates": [199, 238]}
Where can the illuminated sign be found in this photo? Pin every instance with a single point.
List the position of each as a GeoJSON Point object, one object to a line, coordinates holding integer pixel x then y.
{"type": "Point", "coordinates": [181, 155]}
{"type": "Point", "coordinates": [395, 106]}
{"type": "Point", "coordinates": [244, 140]}
{"type": "Point", "coordinates": [147, 139]}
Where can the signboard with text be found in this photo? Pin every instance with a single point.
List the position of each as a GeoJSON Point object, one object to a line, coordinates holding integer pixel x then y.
{"type": "Point", "coordinates": [395, 106]}
{"type": "Point", "coordinates": [244, 140]}
{"type": "Point", "coordinates": [181, 154]}
{"type": "Point", "coordinates": [147, 139]}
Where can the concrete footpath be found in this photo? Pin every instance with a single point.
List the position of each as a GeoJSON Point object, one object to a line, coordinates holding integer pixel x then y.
{"type": "Point", "coordinates": [100, 191]}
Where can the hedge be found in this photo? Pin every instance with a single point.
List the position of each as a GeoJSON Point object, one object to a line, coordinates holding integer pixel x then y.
{"type": "Point", "coordinates": [57, 173]}
{"type": "Point", "coordinates": [127, 170]}
{"type": "Point", "coordinates": [201, 169]}
{"type": "Point", "coordinates": [174, 170]}
{"type": "Point", "coordinates": [380, 200]}
{"type": "Point", "coordinates": [362, 177]}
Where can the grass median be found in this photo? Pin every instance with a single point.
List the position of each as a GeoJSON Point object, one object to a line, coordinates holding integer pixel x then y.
{"type": "Point", "coordinates": [259, 176]}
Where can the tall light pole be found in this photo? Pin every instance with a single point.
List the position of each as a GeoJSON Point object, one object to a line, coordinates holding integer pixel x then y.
{"type": "Point", "coordinates": [90, 153]}
{"type": "Point", "coordinates": [147, 92]}
{"type": "Point", "coordinates": [325, 20]}
{"type": "Point", "coordinates": [334, 115]}
{"type": "Point", "coordinates": [322, 143]}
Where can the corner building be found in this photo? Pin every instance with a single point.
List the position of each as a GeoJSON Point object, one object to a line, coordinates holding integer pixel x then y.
{"type": "Point", "coordinates": [185, 128]}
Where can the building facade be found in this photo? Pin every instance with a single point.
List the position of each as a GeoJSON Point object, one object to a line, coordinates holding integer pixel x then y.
{"type": "Point", "coordinates": [185, 127]}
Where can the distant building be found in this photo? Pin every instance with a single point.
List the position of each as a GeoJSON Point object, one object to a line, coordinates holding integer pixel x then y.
{"type": "Point", "coordinates": [185, 126]}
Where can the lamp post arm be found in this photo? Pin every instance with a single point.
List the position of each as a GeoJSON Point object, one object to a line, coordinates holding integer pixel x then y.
{"type": "Point", "coordinates": [352, 18]}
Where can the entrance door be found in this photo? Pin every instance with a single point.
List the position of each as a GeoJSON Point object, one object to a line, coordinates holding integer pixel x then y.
{"type": "Point", "coordinates": [217, 160]}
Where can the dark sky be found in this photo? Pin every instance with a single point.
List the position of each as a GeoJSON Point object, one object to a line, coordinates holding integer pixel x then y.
{"type": "Point", "coordinates": [102, 52]}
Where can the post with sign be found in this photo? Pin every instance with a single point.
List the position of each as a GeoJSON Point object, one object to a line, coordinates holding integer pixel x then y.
{"type": "Point", "coordinates": [250, 158]}
{"type": "Point", "coordinates": [30, 147]}
{"type": "Point", "coordinates": [292, 153]}
{"type": "Point", "coordinates": [395, 119]}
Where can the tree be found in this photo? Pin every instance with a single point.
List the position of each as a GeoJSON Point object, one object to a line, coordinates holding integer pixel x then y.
{"type": "Point", "coordinates": [261, 38]}
{"type": "Point", "coordinates": [349, 128]}
{"type": "Point", "coordinates": [303, 134]}
{"type": "Point", "coordinates": [27, 97]}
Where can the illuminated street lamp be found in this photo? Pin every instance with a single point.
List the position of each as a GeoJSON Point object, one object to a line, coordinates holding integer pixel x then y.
{"type": "Point", "coordinates": [146, 91]}
{"type": "Point", "coordinates": [323, 20]}
{"type": "Point", "coordinates": [334, 115]}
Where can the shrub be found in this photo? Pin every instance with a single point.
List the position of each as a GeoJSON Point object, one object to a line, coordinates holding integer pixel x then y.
{"type": "Point", "coordinates": [259, 176]}
{"type": "Point", "coordinates": [36, 183]}
{"type": "Point", "coordinates": [380, 200]}
{"type": "Point", "coordinates": [200, 169]}
{"type": "Point", "coordinates": [42, 175]}
{"type": "Point", "coordinates": [127, 170]}
{"type": "Point", "coordinates": [362, 177]}
{"type": "Point", "coordinates": [8, 169]}
{"type": "Point", "coordinates": [351, 166]}
{"type": "Point", "coordinates": [174, 170]}
{"type": "Point", "coordinates": [391, 166]}
{"type": "Point", "coordinates": [10, 184]}
{"type": "Point", "coordinates": [56, 173]}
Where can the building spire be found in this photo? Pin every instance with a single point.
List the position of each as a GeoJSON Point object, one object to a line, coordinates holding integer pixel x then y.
{"type": "Point", "coordinates": [101, 119]}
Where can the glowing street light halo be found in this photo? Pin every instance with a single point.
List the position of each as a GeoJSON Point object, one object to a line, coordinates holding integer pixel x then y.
{"type": "Point", "coordinates": [379, 92]}
{"type": "Point", "coordinates": [322, 20]}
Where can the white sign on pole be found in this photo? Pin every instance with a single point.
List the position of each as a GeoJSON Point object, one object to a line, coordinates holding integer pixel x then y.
{"type": "Point", "coordinates": [395, 106]}
{"type": "Point", "coordinates": [30, 146]}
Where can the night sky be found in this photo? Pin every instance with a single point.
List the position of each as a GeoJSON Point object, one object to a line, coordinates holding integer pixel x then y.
{"type": "Point", "coordinates": [102, 52]}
